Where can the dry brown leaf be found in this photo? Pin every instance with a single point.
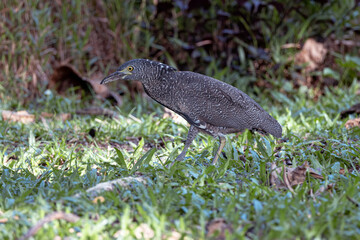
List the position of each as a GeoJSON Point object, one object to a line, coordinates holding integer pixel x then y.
{"type": "Point", "coordinates": [20, 116]}
{"type": "Point", "coordinates": [104, 92]}
{"type": "Point", "coordinates": [64, 116]}
{"type": "Point", "coordinates": [3, 220]}
{"type": "Point", "coordinates": [96, 111]}
{"type": "Point", "coordinates": [323, 188]}
{"type": "Point", "coordinates": [47, 115]}
{"type": "Point", "coordinates": [100, 89]}
{"type": "Point", "coordinates": [174, 236]}
{"type": "Point", "coordinates": [121, 233]}
{"type": "Point", "coordinates": [313, 54]}
{"type": "Point", "coordinates": [294, 176]}
{"type": "Point", "coordinates": [217, 228]}
{"type": "Point", "coordinates": [352, 123]}
{"type": "Point", "coordinates": [353, 109]}
{"type": "Point", "coordinates": [97, 199]}
{"type": "Point", "coordinates": [61, 116]}
{"type": "Point", "coordinates": [286, 179]}
{"type": "Point", "coordinates": [144, 231]}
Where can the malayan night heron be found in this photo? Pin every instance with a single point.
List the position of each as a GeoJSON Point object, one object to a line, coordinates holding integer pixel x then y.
{"type": "Point", "coordinates": [208, 105]}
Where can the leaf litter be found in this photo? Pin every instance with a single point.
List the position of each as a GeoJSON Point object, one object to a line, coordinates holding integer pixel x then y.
{"type": "Point", "coordinates": [286, 177]}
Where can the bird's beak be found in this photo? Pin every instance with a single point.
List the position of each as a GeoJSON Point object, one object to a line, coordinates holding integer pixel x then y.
{"type": "Point", "coordinates": [115, 76]}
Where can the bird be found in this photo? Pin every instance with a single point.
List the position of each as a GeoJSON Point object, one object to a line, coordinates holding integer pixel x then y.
{"type": "Point", "coordinates": [210, 106]}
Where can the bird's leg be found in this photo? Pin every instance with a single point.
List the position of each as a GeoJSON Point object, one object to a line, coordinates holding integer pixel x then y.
{"type": "Point", "coordinates": [193, 132]}
{"type": "Point", "coordinates": [221, 146]}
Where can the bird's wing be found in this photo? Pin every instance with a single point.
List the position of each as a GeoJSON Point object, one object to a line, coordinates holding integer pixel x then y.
{"type": "Point", "coordinates": [208, 100]}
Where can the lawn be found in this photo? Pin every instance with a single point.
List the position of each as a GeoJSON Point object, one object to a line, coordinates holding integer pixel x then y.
{"type": "Point", "coordinates": [50, 164]}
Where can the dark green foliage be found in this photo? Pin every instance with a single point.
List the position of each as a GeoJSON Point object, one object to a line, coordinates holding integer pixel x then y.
{"type": "Point", "coordinates": [242, 38]}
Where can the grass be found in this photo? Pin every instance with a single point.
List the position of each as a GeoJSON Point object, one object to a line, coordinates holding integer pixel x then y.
{"type": "Point", "coordinates": [44, 166]}
{"type": "Point", "coordinates": [48, 165]}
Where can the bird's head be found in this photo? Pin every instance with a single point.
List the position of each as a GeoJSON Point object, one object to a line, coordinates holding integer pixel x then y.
{"type": "Point", "coordinates": [138, 69]}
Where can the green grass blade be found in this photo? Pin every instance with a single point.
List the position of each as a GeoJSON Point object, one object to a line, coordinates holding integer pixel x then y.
{"type": "Point", "coordinates": [144, 160]}
{"type": "Point", "coordinates": [120, 159]}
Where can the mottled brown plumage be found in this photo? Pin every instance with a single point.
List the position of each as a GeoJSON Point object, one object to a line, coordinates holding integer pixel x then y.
{"type": "Point", "coordinates": [209, 105]}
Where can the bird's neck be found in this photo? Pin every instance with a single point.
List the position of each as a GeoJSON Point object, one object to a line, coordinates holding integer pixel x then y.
{"type": "Point", "coordinates": [153, 86]}
{"type": "Point", "coordinates": [157, 89]}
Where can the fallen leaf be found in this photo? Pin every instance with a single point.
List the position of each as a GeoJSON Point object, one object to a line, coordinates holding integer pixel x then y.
{"type": "Point", "coordinates": [217, 228]}
{"type": "Point", "coordinates": [313, 54]}
{"type": "Point", "coordinates": [20, 116]}
{"type": "Point", "coordinates": [352, 123]}
{"type": "Point", "coordinates": [3, 220]}
{"type": "Point", "coordinates": [47, 115]}
{"type": "Point", "coordinates": [25, 117]}
{"type": "Point", "coordinates": [144, 231]}
{"type": "Point", "coordinates": [353, 109]}
{"type": "Point", "coordinates": [294, 176]}
{"type": "Point", "coordinates": [174, 236]}
{"type": "Point", "coordinates": [61, 116]}
{"type": "Point", "coordinates": [324, 188]}
{"type": "Point", "coordinates": [96, 111]}
{"type": "Point", "coordinates": [104, 92]}
{"type": "Point", "coordinates": [98, 199]}
{"type": "Point", "coordinates": [64, 116]}
{"type": "Point", "coordinates": [120, 234]}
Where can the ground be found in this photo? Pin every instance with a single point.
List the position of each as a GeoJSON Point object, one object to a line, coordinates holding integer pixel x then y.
{"type": "Point", "coordinates": [75, 164]}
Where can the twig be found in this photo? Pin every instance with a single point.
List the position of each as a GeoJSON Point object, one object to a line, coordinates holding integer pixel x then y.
{"type": "Point", "coordinates": [112, 185]}
{"type": "Point", "coordinates": [312, 194]}
{"type": "Point", "coordinates": [291, 45]}
{"type": "Point", "coordinates": [286, 180]}
{"type": "Point", "coordinates": [353, 201]}
{"type": "Point", "coordinates": [97, 111]}
{"type": "Point", "coordinates": [50, 217]}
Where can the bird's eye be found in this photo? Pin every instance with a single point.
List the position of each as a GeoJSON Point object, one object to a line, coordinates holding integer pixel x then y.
{"type": "Point", "coordinates": [130, 68]}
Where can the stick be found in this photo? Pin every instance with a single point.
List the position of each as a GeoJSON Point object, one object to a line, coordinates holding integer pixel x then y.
{"type": "Point", "coordinates": [49, 218]}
